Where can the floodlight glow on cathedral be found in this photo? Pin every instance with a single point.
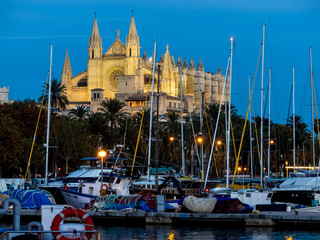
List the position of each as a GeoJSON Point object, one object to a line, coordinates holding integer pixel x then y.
{"type": "Point", "coordinates": [121, 73]}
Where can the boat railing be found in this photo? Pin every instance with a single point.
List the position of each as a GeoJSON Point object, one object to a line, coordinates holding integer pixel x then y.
{"type": "Point", "coordinates": [41, 234]}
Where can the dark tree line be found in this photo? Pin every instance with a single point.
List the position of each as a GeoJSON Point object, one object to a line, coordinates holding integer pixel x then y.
{"type": "Point", "coordinates": [81, 133]}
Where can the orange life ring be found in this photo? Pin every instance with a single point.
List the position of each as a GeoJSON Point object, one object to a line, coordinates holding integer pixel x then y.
{"type": "Point", "coordinates": [71, 212]}
{"type": "Point", "coordinates": [104, 189]}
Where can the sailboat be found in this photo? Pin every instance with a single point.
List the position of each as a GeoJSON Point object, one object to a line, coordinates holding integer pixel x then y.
{"type": "Point", "coordinates": [303, 190]}
{"type": "Point", "coordinates": [52, 185]}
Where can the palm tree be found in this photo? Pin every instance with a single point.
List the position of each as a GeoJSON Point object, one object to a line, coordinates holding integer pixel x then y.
{"type": "Point", "coordinates": [302, 133]}
{"type": "Point", "coordinates": [113, 111]}
{"type": "Point", "coordinates": [172, 125]}
{"type": "Point", "coordinates": [79, 112]}
{"type": "Point", "coordinates": [58, 95]}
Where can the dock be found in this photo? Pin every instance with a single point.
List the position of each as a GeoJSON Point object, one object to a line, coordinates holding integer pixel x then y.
{"type": "Point", "coordinates": [259, 219]}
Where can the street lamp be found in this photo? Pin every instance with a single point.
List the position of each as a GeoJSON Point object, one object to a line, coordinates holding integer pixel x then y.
{"type": "Point", "coordinates": [102, 154]}
{"type": "Point", "coordinates": [221, 148]}
{"type": "Point", "coordinates": [199, 139]}
{"type": "Point", "coordinates": [172, 140]}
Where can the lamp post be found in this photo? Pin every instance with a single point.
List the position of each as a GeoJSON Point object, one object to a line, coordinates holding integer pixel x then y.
{"type": "Point", "coordinates": [199, 140]}
{"type": "Point", "coordinates": [220, 143]}
{"type": "Point", "coordinates": [102, 154]}
{"type": "Point", "coordinates": [172, 140]}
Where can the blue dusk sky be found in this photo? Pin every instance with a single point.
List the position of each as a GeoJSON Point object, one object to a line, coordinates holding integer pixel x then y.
{"type": "Point", "coordinates": [192, 29]}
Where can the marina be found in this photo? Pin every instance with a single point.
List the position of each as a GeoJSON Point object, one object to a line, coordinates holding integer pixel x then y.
{"type": "Point", "coordinates": [141, 140]}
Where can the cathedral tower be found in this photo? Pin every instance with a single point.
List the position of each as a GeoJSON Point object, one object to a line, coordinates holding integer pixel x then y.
{"type": "Point", "coordinates": [95, 59]}
{"type": "Point", "coordinates": [95, 43]}
{"type": "Point", "coordinates": [132, 49]}
{"type": "Point", "coordinates": [66, 75]}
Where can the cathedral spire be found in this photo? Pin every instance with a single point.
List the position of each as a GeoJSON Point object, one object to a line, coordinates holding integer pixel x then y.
{"type": "Point", "coordinates": [67, 66]}
{"type": "Point", "coordinates": [132, 30]}
{"type": "Point", "coordinates": [185, 65]}
{"type": "Point", "coordinates": [66, 75]}
{"type": "Point", "coordinates": [144, 55]}
{"type": "Point", "coordinates": [133, 46]}
{"type": "Point", "coordinates": [95, 30]}
{"type": "Point", "coordinates": [192, 66]}
{"type": "Point", "coordinates": [172, 60]}
{"type": "Point", "coordinates": [200, 65]}
{"type": "Point", "coordinates": [161, 58]}
{"type": "Point", "coordinates": [179, 62]}
{"type": "Point", "coordinates": [95, 43]}
{"type": "Point", "coordinates": [219, 70]}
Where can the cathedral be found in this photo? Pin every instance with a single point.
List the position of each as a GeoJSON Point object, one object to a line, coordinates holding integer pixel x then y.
{"type": "Point", "coordinates": [121, 73]}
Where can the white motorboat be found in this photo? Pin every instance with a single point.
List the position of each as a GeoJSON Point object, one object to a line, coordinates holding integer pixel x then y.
{"type": "Point", "coordinates": [304, 191]}
{"type": "Point", "coordinates": [85, 185]}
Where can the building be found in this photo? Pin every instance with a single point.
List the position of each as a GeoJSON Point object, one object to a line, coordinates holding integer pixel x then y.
{"type": "Point", "coordinates": [4, 95]}
{"type": "Point", "coordinates": [121, 73]}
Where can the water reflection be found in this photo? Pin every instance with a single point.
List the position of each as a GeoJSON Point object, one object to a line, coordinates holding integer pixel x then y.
{"type": "Point", "coordinates": [214, 232]}
{"type": "Point", "coordinates": [167, 232]}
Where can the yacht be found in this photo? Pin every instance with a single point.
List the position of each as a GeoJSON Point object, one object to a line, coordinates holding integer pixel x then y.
{"type": "Point", "coordinates": [87, 184]}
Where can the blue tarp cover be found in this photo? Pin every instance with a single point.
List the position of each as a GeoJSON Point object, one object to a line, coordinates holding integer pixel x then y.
{"type": "Point", "coordinates": [31, 199]}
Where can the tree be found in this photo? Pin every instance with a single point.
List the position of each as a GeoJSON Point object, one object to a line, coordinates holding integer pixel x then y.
{"type": "Point", "coordinates": [58, 95]}
{"type": "Point", "coordinates": [10, 146]}
{"type": "Point", "coordinates": [172, 125]}
{"type": "Point", "coordinates": [79, 112]}
{"type": "Point", "coordinates": [113, 111]}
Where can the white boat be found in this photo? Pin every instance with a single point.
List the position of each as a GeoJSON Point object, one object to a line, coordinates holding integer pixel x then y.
{"type": "Point", "coordinates": [304, 191]}
{"type": "Point", "coordinates": [253, 197]}
{"type": "Point", "coordinates": [85, 185]}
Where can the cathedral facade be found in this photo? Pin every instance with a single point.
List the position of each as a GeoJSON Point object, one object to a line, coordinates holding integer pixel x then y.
{"type": "Point", "coordinates": [121, 73]}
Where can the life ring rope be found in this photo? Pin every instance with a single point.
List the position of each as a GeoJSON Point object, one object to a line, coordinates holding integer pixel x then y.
{"type": "Point", "coordinates": [72, 212]}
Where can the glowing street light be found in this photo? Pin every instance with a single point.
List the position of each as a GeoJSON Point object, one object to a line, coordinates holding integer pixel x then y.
{"type": "Point", "coordinates": [102, 154]}
{"type": "Point", "coordinates": [219, 142]}
{"type": "Point", "coordinates": [199, 139]}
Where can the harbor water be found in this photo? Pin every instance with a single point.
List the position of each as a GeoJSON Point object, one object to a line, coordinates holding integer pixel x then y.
{"type": "Point", "coordinates": [169, 232]}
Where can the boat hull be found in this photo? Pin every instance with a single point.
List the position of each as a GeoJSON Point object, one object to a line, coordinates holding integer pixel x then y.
{"type": "Point", "coordinates": [296, 196]}
{"type": "Point", "coordinates": [76, 199]}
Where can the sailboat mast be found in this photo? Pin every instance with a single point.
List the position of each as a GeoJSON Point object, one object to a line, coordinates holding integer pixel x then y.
{"type": "Point", "coordinates": [312, 117]}
{"type": "Point", "coordinates": [201, 125]}
{"type": "Point", "coordinates": [181, 120]}
{"type": "Point", "coordinates": [157, 131]}
{"type": "Point", "coordinates": [229, 115]}
{"type": "Point", "coordinates": [261, 125]}
{"type": "Point", "coordinates": [250, 128]}
{"type": "Point", "coordinates": [151, 110]}
{"type": "Point", "coordinates": [294, 122]}
{"type": "Point", "coordinates": [269, 170]}
{"type": "Point", "coordinates": [48, 118]}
